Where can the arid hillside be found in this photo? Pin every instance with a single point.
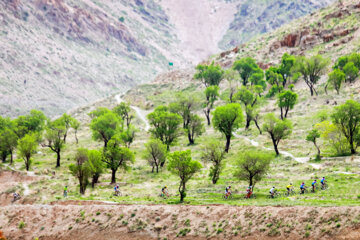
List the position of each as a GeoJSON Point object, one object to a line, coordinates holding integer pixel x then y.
{"type": "Point", "coordinates": [61, 54]}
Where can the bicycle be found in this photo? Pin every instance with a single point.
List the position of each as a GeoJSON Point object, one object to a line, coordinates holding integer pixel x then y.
{"type": "Point", "coordinates": [303, 191]}
{"type": "Point", "coordinates": [227, 196]}
{"type": "Point", "coordinates": [275, 195]}
{"type": "Point", "coordinates": [324, 186]}
{"type": "Point", "coordinates": [253, 195]}
{"type": "Point", "coordinates": [16, 198]}
{"type": "Point", "coordinates": [117, 193]}
{"type": "Point", "coordinates": [313, 189]}
{"type": "Point", "coordinates": [288, 193]}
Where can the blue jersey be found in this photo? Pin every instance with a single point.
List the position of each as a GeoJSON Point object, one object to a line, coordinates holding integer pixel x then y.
{"type": "Point", "coordinates": [314, 182]}
{"type": "Point", "coordinates": [322, 180]}
{"type": "Point", "coordinates": [302, 185]}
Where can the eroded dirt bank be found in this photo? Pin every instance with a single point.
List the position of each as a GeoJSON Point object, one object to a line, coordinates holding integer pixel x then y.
{"type": "Point", "coordinates": [75, 220]}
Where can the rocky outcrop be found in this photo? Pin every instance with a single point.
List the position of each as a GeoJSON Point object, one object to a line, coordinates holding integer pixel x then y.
{"type": "Point", "coordinates": [338, 14]}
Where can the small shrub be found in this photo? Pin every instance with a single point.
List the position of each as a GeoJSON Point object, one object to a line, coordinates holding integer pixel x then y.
{"type": "Point", "coordinates": [42, 228]}
{"type": "Point", "coordinates": [338, 225]}
{"type": "Point", "coordinates": [220, 230]}
{"type": "Point", "coordinates": [122, 19]}
{"type": "Point", "coordinates": [308, 227]}
{"type": "Point", "coordinates": [269, 225]}
{"type": "Point", "coordinates": [187, 222]}
{"type": "Point", "coordinates": [184, 231]}
{"type": "Point", "coordinates": [77, 220]}
{"type": "Point", "coordinates": [157, 219]}
{"type": "Point", "coordinates": [307, 234]}
{"type": "Point", "coordinates": [125, 223]}
{"type": "Point", "coordinates": [133, 215]}
{"type": "Point", "coordinates": [98, 213]}
{"type": "Point", "coordinates": [70, 228]}
{"type": "Point", "coordinates": [21, 224]}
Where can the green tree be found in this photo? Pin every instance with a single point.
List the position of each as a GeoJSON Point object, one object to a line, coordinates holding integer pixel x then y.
{"type": "Point", "coordinates": [277, 129]}
{"type": "Point", "coordinates": [286, 101]}
{"type": "Point", "coordinates": [27, 147]}
{"type": "Point", "coordinates": [312, 136]}
{"type": "Point", "coordinates": [213, 152]}
{"type": "Point", "coordinates": [249, 99]}
{"type": "Point", "coordinates": [33, 122]}
{"type": "Point", "coordinates": [54, 138]}
{"type": "Point", "coordinates": [66, 121]}
{"type": "Point", "coordinates": [155, 154]}
{"type": "Point", "coordinates": [347, 118]}
{"type": "Point", "coordinates": [117, 157]}
{"type": "Point", "coordinates": [287, 63]}
{"type": "Point", "coordinates": [228, 119]}
{"type": "Point", "coordinates": [311, 70]}
{"type": "Point", "coordinates": [333, 138]}
{"type": "Point", "coordinates": [123, 110]}
{"type": "Point", "coordinates": [8, 142]}
{"type": "Point", "coordinates": [195, 128]}
{"type": "Point", "coordinates": [209, 75]}
{"type": "Point", "coordinates": [232, 78]}
{"type": "Point", "coordinates": [128, 135]}
{"type": "Point", "coordinates": [341, 62]}
{"type": "Point", "coordinates": [351, 71]}
{"type": "Point", "coordinates": [246, 68]}
{"type": "Point", "coordinates": [165, 125]}
{"type": "Point", "coordinates": [252, 165]}
{"type": "Point", "coordinates": [75, 124]}
{"type": "Point", "coordinates": [99, 112]}
{"type": "Point", "coordinates": [96, 166]}
{"type": "Point", "coordinates": [105, 126]}
{"type": "Point", "coordinates": [81, 169]}
{"type": "Point", "coordinates": [336, 77]}
{"type": "Point", "coordinates": [211, 93]}
{"type": "Point", "coordinates": [182, 165]}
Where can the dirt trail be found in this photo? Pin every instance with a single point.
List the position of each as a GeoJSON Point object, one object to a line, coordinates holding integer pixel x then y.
{"type": "Point", "coordinates": [98, 221]}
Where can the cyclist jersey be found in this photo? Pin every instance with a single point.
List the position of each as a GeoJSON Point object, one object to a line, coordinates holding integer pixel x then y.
{"type": "Point", "coordinates": [272, 190]}
{"type": "Point", "coordinates": [115, 188]}
{"type": "Point", "coordinates": [227, 189]}
{"type": "Point", "coordinates": [65, 188]}
{"type": "Point", "coordinates": [302, 185]}
{"type": "Point", "coordinates": [314, 182]}
{"type": "Point", "coordinates": [322, 180]}
{"type": "Point", "coordinates": [289, 186]}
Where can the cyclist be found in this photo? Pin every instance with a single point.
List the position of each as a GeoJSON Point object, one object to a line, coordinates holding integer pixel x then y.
{"type": "Point", "coordinates": [16, 196]}
{"type": "Point", "coordinates": [65, 191]}
{"type": "Point", "coordinates": [302, 188]}
{"type": "Point", "coordinates": [227, 191]}
{"type": "Point", "coordinates": [322, 181]}
{"type": "Point", "coordinates": [116, 190]}
{"type": "Point", "coordinates": [313, 184]}
{"type": "Point", "coordinates": [248, 192]}
{"type": "Point", "coordinates": [290, 188]}
{"type": "Point", "coordinates": [272, 192]}
{"type": "Point", "coordinates": [164, 192]}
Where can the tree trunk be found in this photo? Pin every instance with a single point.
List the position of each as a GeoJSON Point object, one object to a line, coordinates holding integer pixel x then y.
{"type": "Point", "coordinates": [275, 146]}
{"type": "Point", "coordinates": [82, 188]}
{"type": "Point", "coordinates": [282, 115]}
{"type": "Point", "coordinates": [65, 135]}
{"type": "Point", "coordinates": [113, 176]}
{"type": "Point", "coordinates": [191, 140]}
{"type": "Point", "coordinates": [215, 177]}
{"type": "Point", "coordinates": [11, 157]}
{"type": "Point", "coordinates": [105, 143]}
{"type": "Point", "coordinates": [182, 191]}
{"type": "Point", "coordinates": [251, 181]}
{"type": "Point", "coordinates": [311, 91]}
{"type": "Point", "coordinates": [207, 114]}
{"type": "Point", "coordinates": [248, 121]}
{"type": "Point", "coordinates": [152, 170]}
{"type": "Point", "coordinates": [58, 159]}
{"type": "Point", "coordinates": [95, 179]}
{"type": "Point", "coordinates": [318, 149]}
{"type": "Point", "coordinates": [27, 163]}
{"type": "Point", "coordinates": [227, 146]}
{"type": "Point", "coordinates": [157, 168]}
{"type": "Point", "coordinates": [76, 138]}
{"type": "Point", "coordinates": [168, 147]}
{"type": "Point", "coordinates": [257, 125]}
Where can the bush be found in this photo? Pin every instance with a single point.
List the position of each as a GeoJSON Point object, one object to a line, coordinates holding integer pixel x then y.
{"type": "Point", "coordinates": [21, 224]}
{"type": "Point", "coordinates": [220, 230]}
{"type": "Point", "coordinates": [307, 234]}
{"type": "Point", "coordinates": [98, 213]}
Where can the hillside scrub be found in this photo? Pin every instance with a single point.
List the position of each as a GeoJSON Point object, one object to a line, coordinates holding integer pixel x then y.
{"type": "Point", "coordinates": [155, 153]}
{"type": "Point", "coordinates": [213, 152]}
{"type": "Point", "coordinates": [336, 78]}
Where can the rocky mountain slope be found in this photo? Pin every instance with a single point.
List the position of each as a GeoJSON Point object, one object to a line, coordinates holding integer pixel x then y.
{"type": "Point", "coordinates": [61, 54]}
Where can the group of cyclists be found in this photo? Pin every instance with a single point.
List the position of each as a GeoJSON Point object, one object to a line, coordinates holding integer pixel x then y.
{"type": "Point", "coordinates": [273, 191]}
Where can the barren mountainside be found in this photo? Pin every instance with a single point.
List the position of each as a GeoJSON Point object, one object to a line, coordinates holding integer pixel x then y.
{"type": "Point", "coordinates": [61, 54]}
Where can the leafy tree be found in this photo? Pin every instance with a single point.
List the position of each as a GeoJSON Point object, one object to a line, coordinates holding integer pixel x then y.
{"type": "Point", "coordinates": [8, 143]}
{"type": "Point", "coordinates": [277, 129]}
{"type": "Point", "coordinates": [75, 124]}
{"type": "Point", "coordinates": [311, 69]}
{"type": "Point", "coordinates": [347, 118]}
{"type": "Point", "coordinates": [249, 99]}
{"type": "Point", "coordinates": [257, 79]}
{"type": "Point", "coordinates": [341, 62]}
{"type": "Point", "coordinates": [312, 136]}
{"type": "Point", "coordinates": [34, 122]}
{"type": "Point", "coordinates": [351, 71]}
{"type": "Point", "coordinates": [246, 68]}
{"type": "Point", "coordinates": [213, 152]}
{"type": "Point", "coordinates": [128, 135]}
{"type": "Point", "coordinates": [336, 77]}
{"type": "Point", "coordinates": [195, 128]}
{"type": "Point", "coordinates": [81, 168]}
{"type": "Point", "coordinates": [105, 126]}
{"type": "Point", "coordinates": [286, 101]}
{"type": "Point", "coordinates": [66, 121]}
{"type": "Point", "coordinates": [232, 77]}
{"type": "Point", "coordinates": [287, 63]}
{"type": "Point", "coordinates": [273, 77]}
{"type": "Point", "coordinates": [252, 165]}
{"type": "Point", "coordinates": [96, 166]}
{"type": "Point", "coordinates": [182, 165]}
{"type": "Point", "coordinates": [54, 138]}
{"type": "Point", "coordinates": [211, 93]}
{"type": "Point", "coordinates": [27, 147]}
{"type": "Point", "coordinates": [165, 125]}
{"type": "Point", "coordinates": [228, 119]}
{"type": "Point", "coordinates": [355, 58]}
{"type": "Point", "coordinates": [333, 138]}
{"type": "Point", "coordinates": [155, 154]}
{"type": "Point", "coordinates": [117, 157]}
{"type": "Point", "coordinates": [99, 112]}
{"type": "Point", "coordinates": [253, 114]}
{"type": "Point", "coordinates": [209, 75]}
{"type": "Point", "coordinates": [123, 110]}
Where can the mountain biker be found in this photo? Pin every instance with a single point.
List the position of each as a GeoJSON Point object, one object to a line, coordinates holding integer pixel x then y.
{"type": "Point", "coordinates": [249, 192]}
{"type": "Point", "coordinates": [302, 188]}
{"type": "Point", "coordinates": [116, 190]}
{"type": "Point", "coordinates": [16, 196]}
{"type": "Point", "coordinates": [322, 181]}
{"type": "Point", "coordinates": [289, 188]}
{"type": "Point", "coordinates": [272, 192]}
{"type": "Point", "coordinates": [313, 184]}
{"type": "Point", "coordinates": [227, 191]}
{"type": "Point", "coordinates": [65, 191]}
{"type": "Point", "coordinates": [164, 191]}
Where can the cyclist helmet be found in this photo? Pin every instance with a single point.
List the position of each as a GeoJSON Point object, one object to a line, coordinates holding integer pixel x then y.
{"type": "Point", "coordinates": [273, 186]}
{"type": "Point", "coordinates": [290, 183]}
{"type": "Point", "coordinates": [303, 183]}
